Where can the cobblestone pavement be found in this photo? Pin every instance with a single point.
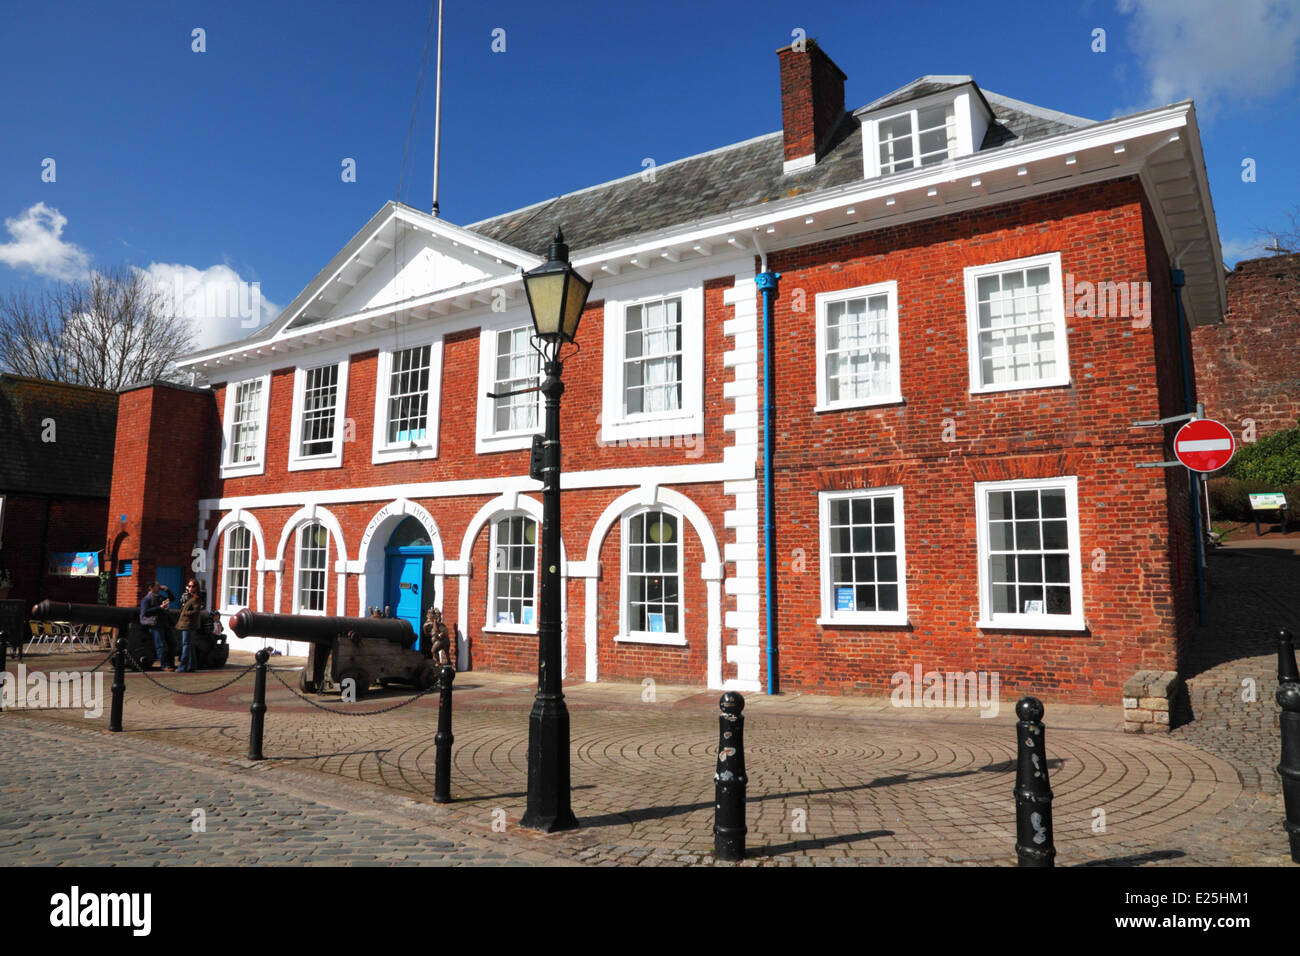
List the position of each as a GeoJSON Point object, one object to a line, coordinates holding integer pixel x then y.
{"type": "Point", "coordinates": [69, 800]}
{"type": "Point", "coordinates": [1231, 669]}
{"type": "Point", "coordinates": [832, 780]}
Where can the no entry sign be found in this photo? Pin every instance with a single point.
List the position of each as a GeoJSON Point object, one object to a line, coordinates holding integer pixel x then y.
{"type": "Point", "coordinates": [1204, 445]}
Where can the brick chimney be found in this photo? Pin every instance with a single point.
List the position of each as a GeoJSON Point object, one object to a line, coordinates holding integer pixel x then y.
{"type": "Point", "coordinates": [812, 102]}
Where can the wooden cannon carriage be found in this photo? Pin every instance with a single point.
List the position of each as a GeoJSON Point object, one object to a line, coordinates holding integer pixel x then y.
{"type": "Point", "coordinates": [364, 649]}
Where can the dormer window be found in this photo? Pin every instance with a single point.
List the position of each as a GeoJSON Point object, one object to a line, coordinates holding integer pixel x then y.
{"type": "Point", "coordinates": [903, 134]}
{"type": "Point", "coordinates": [917, 138]}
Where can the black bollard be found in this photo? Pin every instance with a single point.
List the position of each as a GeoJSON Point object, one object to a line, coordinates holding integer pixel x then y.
{"type": "Point", "coordinates": [1286, 669]}
{"type": "Point", "coordinates": [443, 739]}
{"type": "Point", "coordinates": [119, 684]}
{"type": "Point", "coordinates": [1288, 698]}
{"type": "Point", "coordinates": [1034, 845]}
{"type": "Point", "coordinates": [729, 781]}
{"type": "Point", "coordinates": [258, 708]}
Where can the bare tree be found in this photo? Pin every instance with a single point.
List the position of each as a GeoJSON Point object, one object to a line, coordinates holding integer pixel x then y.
{"type": "Point", "coordinates": [1285, 239]}
{"type": "Point", "coordinates": [108, 330]}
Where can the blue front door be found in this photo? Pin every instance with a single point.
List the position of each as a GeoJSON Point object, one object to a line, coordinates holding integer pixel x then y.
{"type": "Point", "coordinates": [169, 576]}
{"type": "Point", "coordinates": [405, 579]}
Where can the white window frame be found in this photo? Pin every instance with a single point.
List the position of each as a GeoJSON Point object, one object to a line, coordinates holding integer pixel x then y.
{"type": "Point", "coordinates": [1075, 620]}
{"type": "Point", "coordinates": [687, 420]}
{"type": "Point", "coordinates": [297, 570]}
{"type": "Point", "coordinates": [239, 469]}
{"type": "Point", "coordinates": [969, 119]}
{"type": "Point", "coordinates": [487, 438]}
{"type": "Point", "coordinates": [829, 615]}
{"type": "Point", "coordinates": [381, 450]}
{"type": "Point", "coordinates": [224, 584]}
{"type": "Point", "coordinates": [972, 275]}
{"type": "Point", "coordinates": [823, 302]}
{"type": "Point", "coordinates": [334, 458]}
{"type": "Point", "coordinates": [493, 625]}
{"type": "Point", "coordinates": [625, 636]}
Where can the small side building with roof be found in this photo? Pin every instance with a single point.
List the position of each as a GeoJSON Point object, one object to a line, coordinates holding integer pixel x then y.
{"type": "Point", "coordinates": [56, 466]}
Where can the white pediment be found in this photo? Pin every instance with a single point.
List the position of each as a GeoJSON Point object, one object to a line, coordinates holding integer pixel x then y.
{"type": "Point", "coordinates": [400, 255]}
{"type": "Point", "coordinates": [418, 264]}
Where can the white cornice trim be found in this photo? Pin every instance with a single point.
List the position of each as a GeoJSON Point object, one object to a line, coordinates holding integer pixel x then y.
{"type": "Point", "coordinates": [709, 472]}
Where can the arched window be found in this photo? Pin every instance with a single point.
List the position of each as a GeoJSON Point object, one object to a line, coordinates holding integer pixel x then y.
{"type": "Point", "coordinates": [512, 585]}
{"type": "Point", "coordinates": [652, 577]}
{"type": "Point", "coordinates": [310, 568]}
{"type": "Point", "coordinates": [236, 564]}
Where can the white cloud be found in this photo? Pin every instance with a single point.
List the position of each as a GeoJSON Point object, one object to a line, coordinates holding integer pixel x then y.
{"type": "Point", "coordinates": [1214, 52]}
{"type": "Point", "coordinates": [1234, 250]}
{"type": "Point", "coordinates": [36, 243]}
{"type": "Point", "coordinates": [223, 306]}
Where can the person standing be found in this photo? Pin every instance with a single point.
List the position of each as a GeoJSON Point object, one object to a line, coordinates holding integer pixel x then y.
{"type": "Point", "coordinates": [151, 606]}
{"type": "Point", "coordinates": [188, 623]}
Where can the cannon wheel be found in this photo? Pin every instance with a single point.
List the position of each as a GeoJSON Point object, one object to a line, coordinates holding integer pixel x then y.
{"type": "Point", "coordinates": [360, 676]}
{"type": "Point", "coordinates": [426, 675]}
{"type": "Point", "coordinates": [305, 684]}
{"type": "Point", "coordinates": [218, 656]}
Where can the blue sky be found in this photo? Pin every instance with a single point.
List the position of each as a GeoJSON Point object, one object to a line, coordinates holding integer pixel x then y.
{"type": "Point", "coordinates": [226, 163]}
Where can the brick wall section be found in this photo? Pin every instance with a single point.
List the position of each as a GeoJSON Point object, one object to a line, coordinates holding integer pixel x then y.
{"type": "Point", "coordinates": [1081, 430]}
{"type": "Point", "coordinates": [1249, 366]}
{"type": "Point", "coordinates": [167, 441]}
{"type": "Point", "coordinates": [1170, 372]}
{"type": "Point", "coordinates": [812, 99]}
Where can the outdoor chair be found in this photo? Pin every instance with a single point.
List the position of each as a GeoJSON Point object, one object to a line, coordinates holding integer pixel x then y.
{"type": "Point", "coordinates": [40, 635]}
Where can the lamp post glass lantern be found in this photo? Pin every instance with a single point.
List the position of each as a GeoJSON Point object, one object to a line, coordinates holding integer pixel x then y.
{"type": "Point", "coordinates": [556, 297]}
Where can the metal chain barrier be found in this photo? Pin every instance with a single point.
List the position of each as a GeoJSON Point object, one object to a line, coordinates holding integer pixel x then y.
{"type": "Point", "coordinates": [77, 675]}
{"type": "Point", "coordinates": [100, 664]}
{"type": "Point", "coordinates": [186, 693]}
{"type": "Point", "coordinates": [354, 713]}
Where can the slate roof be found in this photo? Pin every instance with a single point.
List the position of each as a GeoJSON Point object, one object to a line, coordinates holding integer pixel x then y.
{"type": "Point", "coordinates": [79, 462]}
{"type": "Point", "coordinates": [735, 177]}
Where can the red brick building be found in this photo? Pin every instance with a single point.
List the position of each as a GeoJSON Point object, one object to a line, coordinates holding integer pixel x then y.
{"type": "Point", "coordinates": [56, 461]}
{"type": "Point", "coordinates": [1248, 368]}
{"type": "Point", "coordinates": [975, 303]}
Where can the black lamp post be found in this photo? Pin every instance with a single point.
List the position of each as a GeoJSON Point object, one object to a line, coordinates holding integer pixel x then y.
{"type": "Point", "coordinates": [556, 297]}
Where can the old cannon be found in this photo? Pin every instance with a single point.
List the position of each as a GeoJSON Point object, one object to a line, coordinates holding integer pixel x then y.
{"type": "Point", "coordinates": [363, 649]}
{"type": "Point", "coordinates": [210, 647]}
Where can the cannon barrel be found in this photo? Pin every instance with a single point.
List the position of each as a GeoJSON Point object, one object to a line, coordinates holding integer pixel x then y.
{"type": "Point", "coordinates": [320, 630]}
{"type": "Point", "coordinates": [104, 614]}
{"type": "Point", "coordinates": [107, 615]}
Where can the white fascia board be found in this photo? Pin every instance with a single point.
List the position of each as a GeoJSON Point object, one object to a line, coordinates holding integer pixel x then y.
{"type": "Point", "coordinates": [977, 164]}
{"type": "Point", "coordinates": [1203, 187]}
{"type": "Point", "coordinates": [705, 473]}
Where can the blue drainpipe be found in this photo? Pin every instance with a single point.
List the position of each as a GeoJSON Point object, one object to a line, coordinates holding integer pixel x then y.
{"type": "Point", "coordinates": [1193, 479]}
{"type": "Point", "coordinates": [767, 282]}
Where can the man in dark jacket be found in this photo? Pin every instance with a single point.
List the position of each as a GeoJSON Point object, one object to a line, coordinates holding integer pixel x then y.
{"type": "Point", "coordinates": [150, 605]}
